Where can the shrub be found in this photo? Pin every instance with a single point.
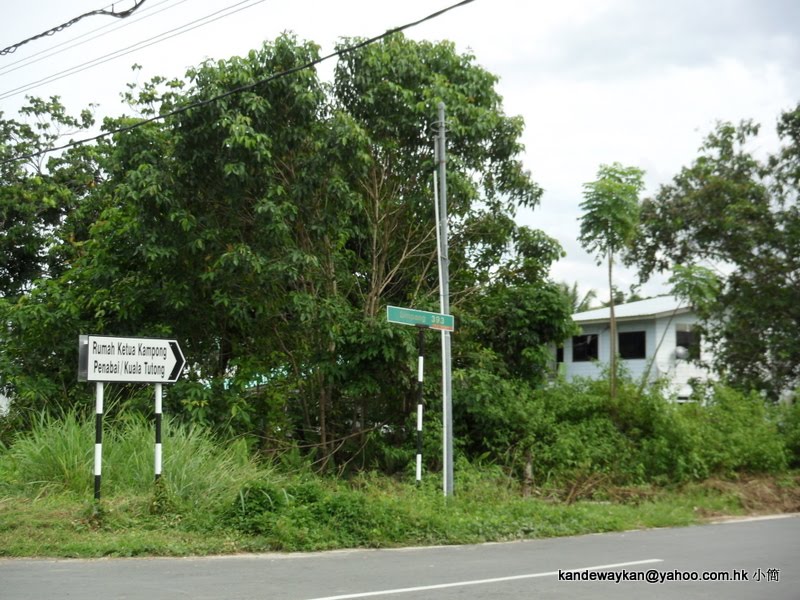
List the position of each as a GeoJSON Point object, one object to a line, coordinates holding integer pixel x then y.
{"type": "Point", "coordinates": [740, 433]}
{"type": "Point", "coordinates": [574, 430]}
{"type": "Point", "coordinates": [789, 429]}
{"type": "Point", "coordinates": [296, 513]}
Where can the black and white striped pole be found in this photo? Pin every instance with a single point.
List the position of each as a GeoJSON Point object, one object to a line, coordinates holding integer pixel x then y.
{"type": "Point", "coordinates": [420, 365]}
{"type": "Point", "coordinates": [158, 432]}
{"type": "Point", "coordinates": [98, 438]}
{"type": "Point", "coordinates": [422, 320]}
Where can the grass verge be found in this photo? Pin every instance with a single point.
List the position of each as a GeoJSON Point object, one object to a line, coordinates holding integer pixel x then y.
{"type": "Point", "coordinates": [306, 514]}
{"type": "Point", "coordinates": [214, 499]}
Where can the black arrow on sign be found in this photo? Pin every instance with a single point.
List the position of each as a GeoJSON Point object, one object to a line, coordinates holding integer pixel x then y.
{"type": "Point", "coordinates": [180, 361]}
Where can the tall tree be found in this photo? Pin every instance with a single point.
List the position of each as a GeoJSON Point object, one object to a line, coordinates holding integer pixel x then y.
{"type": "Point", "coordinates": [39, 195]}
{"type": "Point", "coordinates": [608, 225]}
{"type": "Point", "coordinates": [268, 228]}
{"type": "Point", "coordinates": [732, 210]}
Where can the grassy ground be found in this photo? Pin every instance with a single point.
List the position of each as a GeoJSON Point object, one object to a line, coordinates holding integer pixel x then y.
{"type": "Point", "coordinates": [214, 499]}
{"type": "Point", "coordinates": [374, 513]}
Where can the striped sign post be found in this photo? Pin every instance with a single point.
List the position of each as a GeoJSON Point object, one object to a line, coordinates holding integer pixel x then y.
{"type": "Point", "coordinates": [422, 320]}
{"type": "Point", "coordinates": [98, 438]}
{"type": "Point", "coordinates": [105, 359]}
{"type": "Point", "coordinates": [158, 432]}
{"type": "Point", "coordinates": [420, 365]}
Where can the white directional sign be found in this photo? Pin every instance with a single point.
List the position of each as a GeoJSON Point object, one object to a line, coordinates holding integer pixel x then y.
{"type": "Point", "coordinates": [129, 360]}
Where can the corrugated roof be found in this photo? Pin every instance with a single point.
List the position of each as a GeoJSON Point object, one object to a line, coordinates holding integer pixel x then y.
{"type": "Point", "coordinates": [652, 307]}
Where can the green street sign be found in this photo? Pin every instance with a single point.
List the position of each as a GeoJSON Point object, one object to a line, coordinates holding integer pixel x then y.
{"type": "Point", "coordinates": [421, 318]}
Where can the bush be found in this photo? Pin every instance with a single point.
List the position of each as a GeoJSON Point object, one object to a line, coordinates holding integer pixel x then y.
{"type": "Point", "coordinates": [294, 513]}
{"type": "Point", "coordinates": [789, 429]}
{"type": "Point", "coordinates": [573, 430]}
{"type": "Point", "coordinates": [739, 432]}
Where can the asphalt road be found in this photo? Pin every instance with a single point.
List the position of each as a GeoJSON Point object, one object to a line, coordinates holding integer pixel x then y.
{"type": "Point", "coordinates": [765, 552]}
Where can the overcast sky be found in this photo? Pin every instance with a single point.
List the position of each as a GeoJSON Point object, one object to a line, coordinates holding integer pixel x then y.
{"type": "Point", "coordinates": [597, 81]}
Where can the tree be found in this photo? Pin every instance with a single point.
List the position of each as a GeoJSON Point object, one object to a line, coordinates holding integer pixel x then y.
{"type": "Point", "coordinates": [736, 212]}
{"type": "Point", "coordinates": [267, 229]}
{"type": "Point", "coordinates": [577, 302]}
{"type": "Point", "coordinates": [37, 195]}
{"type": "Point", "coordinates": [608, 225]}
{"type": "Point", "coordinates": [521, 314]}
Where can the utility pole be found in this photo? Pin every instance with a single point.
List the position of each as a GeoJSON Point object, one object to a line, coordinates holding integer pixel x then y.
{"type": "Point", "coordinates": [444, 273]}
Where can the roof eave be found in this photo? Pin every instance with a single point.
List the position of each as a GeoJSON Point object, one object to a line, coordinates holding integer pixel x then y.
{"type": "Point", "coordinates": [667, 313]}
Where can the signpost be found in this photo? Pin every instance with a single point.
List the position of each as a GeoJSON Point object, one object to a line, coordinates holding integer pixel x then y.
{"type": "Point", "coordinates": [422, 319]}
{"type": "Point", "coordinates": [129, 359]}
{"type": "Point", "coordinates": [106, 359]}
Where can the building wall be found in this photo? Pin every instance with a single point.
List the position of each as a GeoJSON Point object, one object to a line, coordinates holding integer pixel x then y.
{"type": "Point", "coordinates": [660, 341]}
{"type": "Point", "coordinates": [679, 372]}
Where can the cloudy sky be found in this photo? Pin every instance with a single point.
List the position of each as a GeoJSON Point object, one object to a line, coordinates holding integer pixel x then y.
{"type": "Point", "coordinates": [597, 81]}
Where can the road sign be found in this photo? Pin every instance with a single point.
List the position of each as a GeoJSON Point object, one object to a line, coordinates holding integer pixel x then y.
{"type": "Point", "coordinates": [422, 318]}
{"type": "Point", "coordinates": [129, 360]}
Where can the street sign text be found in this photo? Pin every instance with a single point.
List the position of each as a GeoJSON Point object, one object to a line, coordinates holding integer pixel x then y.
{"type": "Point", "coordinates": [421, 318]}
{"type": "Point", "coordinates": [129, 360]}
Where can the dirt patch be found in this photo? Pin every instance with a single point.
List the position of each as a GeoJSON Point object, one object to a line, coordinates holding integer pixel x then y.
{"type": "Point", "coordinates": [760, 495]}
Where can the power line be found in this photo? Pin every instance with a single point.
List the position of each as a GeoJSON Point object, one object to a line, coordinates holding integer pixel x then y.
{"type": "Point", "coordinates": [53, 50]}
{"type": "Point", "coordinates": [240, 89]}
{"type": "Point", "coordinates": [161, 37]}
{"type": "Point", "coordinates": [63, 26]}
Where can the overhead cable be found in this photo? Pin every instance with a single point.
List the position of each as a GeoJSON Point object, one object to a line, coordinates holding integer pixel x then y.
{"type": "Point", "coordinates": [240, 89]}
{"type": "Point", "coordinates": [68, 45]}
{"type": "Point", "coordinates": [161, 37]}
{"type": "Point", "coordinates": [63, 26]}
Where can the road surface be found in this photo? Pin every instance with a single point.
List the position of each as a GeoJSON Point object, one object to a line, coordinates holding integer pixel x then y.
{"type": "Point", "coordinates": [759, 557]}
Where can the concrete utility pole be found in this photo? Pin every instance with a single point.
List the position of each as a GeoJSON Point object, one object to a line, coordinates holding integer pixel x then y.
{"type": "Point", "coordinates": [444, 272]}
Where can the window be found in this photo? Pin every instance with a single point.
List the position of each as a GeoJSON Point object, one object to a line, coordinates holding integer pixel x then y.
{"type": "Point", "coordinates": [560, 354]}
{"type": "Point", "coordinates": [584, 348]}
{"type": "Point", "coordinates": [632, 344]}
{"type": "Point", "coordinates": [687, 336]}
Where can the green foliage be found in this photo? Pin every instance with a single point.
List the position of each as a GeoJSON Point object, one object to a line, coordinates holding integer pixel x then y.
{"type": "Point", "coordinates": [739, 432]}
{"type": "Point", "coordinates": [611, 210]}
{"type": "Point", "coordinates": [608, 226]}
{"type": "Point", "coordinates": [300, 512]}
{"type": "Point", "coordinates": [730, 207]}
{"type": "Point", "coordinates": [39, 200]}
{"type": "Point", "coordinates": [520, 324]}
{"type": "Point", "coordinates": [319, 513]}
{"type": "Point", "coordinates": [695, 284]}
{"type": "Point", "coordinates": [55, 456]}
{"type": "Point", "coordinates": [228, 504]}
{"type": "Point", "coordinates": [578, 302]}
{"type": "Point", "coordinates": [267, 231]}
{"type": "Point", "coordinates": [569, 431]}
{"type": "Point", "coordinates": [789, 428]}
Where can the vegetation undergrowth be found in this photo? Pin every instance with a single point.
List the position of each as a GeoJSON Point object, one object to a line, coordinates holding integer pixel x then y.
{"type": "Point", "coordinates": [304, 513]}
{"type": "Point", "coordinates": [562, 460]}
{"type": "Point", "coordinates": [214, 498]}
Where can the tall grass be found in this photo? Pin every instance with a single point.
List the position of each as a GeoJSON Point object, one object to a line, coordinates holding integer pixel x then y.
{"type": "Point", "coordinates": [54, 456]}
{"type": "Point", "coordinates": [57, 456]}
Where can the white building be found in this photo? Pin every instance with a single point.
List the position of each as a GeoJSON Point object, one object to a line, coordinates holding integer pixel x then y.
{"type": "Point", "coordinates": [656, 339]}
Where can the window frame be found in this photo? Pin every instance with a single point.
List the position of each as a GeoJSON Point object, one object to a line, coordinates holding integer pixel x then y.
{"type": "Point", "coordinates": [694, 339]}
{"type": "Point", "coordinates": [639, 345]}
{"type": "Point", "coordinates": [591, 341]}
